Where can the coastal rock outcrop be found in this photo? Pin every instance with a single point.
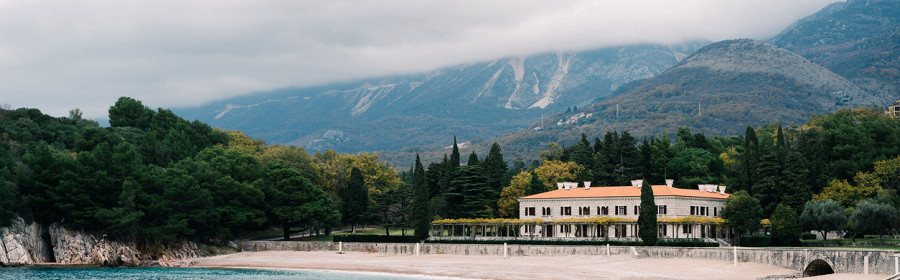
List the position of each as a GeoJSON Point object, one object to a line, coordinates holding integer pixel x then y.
{"type": "Point", "coordinates": [27, 244]}
{"type": "Point", "coordinates": [21, 244]}
{"type": "Point", "coordinates": [78, 247]}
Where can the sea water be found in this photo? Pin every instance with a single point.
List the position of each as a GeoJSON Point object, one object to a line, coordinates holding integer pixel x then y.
{"type": "Point", "coordinates": [154, 273]}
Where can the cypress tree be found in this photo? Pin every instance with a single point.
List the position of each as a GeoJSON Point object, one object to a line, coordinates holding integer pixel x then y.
{"type": "Point", "coordinates": [766, 186]}
{"type": "Point", "coordinates": [356, 199]}
{"type": "Point", "coordinates": [535, 186]}
{"type": "Point", "coordinates": [473, 159]}
{"type": "Point", "coordinates": [454, 157]}
{"type": "Point", "coordinates": [781, 147]}
{"type": "Point", "coordinates": [750, 159]}
{"type": "Point", "coordinates": [495, 170]}
{"type": "Point", "coordinates": [420, 212]}
{"type": "Point", "coordinates": [647, 229]}
{"type": "Point", "coordinates": [795, 181]}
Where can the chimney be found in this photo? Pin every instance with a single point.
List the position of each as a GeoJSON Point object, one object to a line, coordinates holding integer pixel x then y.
{"type": "Point", "coordinates": [637, 183]}
{"type": "Point", "coordinates": [722, 189]}
{"type": "Point", "coordinates": [587, 185]}
{"type": "Point", "coordinates": [670, 182]}
{"type": "Point", "coordinates": [560, 185]}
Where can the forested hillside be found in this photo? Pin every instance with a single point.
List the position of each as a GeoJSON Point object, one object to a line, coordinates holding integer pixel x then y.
{"type": "Point", "coordinates": [155, 176]}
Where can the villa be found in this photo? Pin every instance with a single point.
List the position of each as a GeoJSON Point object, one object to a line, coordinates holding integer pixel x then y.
{"type": "Point", "coordinates": [561, 208]}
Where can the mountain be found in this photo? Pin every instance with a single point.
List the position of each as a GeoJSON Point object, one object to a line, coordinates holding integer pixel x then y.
{"type": "Point", "coordinates": [858, 39]}
{"type": "Point", "coordinates": [478, 100]}
{"type": "Point", "coordinates": [719, 90]}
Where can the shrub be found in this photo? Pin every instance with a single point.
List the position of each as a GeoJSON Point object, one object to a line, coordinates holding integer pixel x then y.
{"type": "Point", "coordinates": [756, 240]}
{"type": "Point", "coordinates": [374, 238]}
{"type": "Point", "coordinates": [661, 242]}
{"type": "Point", "coordinates": [808, 236]}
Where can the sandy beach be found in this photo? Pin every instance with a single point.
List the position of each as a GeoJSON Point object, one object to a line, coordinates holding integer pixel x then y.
{"type": "Point", "coordinates": [494, 267]}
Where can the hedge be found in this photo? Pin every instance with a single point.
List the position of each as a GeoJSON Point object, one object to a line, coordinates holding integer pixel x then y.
{"type": "Point", "coordinates": [756, 240]}
{"type": "Point", "coordinates": [374, 238]}
{"type": "Point", "coordinates": [664, 243]}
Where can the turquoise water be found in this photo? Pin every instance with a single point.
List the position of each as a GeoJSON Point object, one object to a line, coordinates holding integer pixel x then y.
{"type": "Point", "coordinates": [153, 273]}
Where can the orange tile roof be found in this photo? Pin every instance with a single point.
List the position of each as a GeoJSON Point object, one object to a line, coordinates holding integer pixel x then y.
{"type": "Point", "coordinates": [624, 191]}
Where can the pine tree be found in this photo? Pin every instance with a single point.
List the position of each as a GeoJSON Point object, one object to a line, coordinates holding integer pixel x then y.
{"type": "Point", "coordinates": [473, 199]}
{"type": "Point", "coordinates": [495, 170]}
{"type": "Point", "coordinates": [421, 212]}
{"type": "Point", "coordinates": [750, 159]}
{"type": "Point", "coordinates": [647, 227]}
{"type": "Point", "coordinates": [629, 162]}
{"type": "Point", "coordinates": [583, 155]}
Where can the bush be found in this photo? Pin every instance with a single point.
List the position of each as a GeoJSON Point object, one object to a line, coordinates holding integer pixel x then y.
{"type": "Point", "coordinates": [661, 242]}
{"type": "Point", "coordinates": [374, 238]}
{"type": "Point", "coordinates": [756, 240]}
{"type": "Point", "coordinates": [808, 236]}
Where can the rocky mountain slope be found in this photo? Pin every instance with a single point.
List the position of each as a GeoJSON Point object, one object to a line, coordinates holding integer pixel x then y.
{"type": "Point", "coordinates": [858, 39]}
{"type": "Point", "coordinates": [479, 100]}
{"type": "Point", "coordinates": [719, 90]}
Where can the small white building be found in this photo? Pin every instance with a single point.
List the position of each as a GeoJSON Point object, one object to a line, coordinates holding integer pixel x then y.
{"type": "Point", "coordinates": [570, 201]}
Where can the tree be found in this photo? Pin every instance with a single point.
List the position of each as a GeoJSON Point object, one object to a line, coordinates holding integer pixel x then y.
{"type": "Point", "coordinates": [552, 172]}
{"type": "Point", "coordinates": [130, 112]}
{"type": "Point", "coordinates": [294, 201]}
{"type": "Point", "coordinates": [823, 216]}
{"type": "Point", "coordinates": [749, 160]}
{"type": "Point", "coordinates": [647, 226]}
{"type": "Point", "coordinates": [848, 194]}
{"type": "Point", "coordinates": [794, 181]}
{"type": "Point", "coordinates": [473, 198]}
{"type": "Point", "coordinates": [742, 212]}
{"type": "Point", "coordinates": [421, 213]}
{"type": "Point", "coordinates": [356, 200]}
{"type": "Point", "coordinates": [535, 185]}
{"type": "Point", "coordinates": [766, 186]}
{"type": "Point", "coordinates": [508, 205]}
{"type": "Point", "coordinates": [785, 226]}
{"type": "Point", "coordinates": [473, 159]}
{"type": "Point", "coordinates": [693, 166]}
{"type": "Point", "coordinates": [495, 170]}
{"type": "Point", "coordinates": [874, 216]}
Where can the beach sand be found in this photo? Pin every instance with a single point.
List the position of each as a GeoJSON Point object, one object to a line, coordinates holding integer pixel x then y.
{"type": "Point", "coordinates": [494, 267]}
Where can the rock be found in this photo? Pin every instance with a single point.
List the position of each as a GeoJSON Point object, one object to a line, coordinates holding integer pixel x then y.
{"type": "Point", "coordinates": [21, 244]}
{"type": "Point", "coordinates": [78, 247]}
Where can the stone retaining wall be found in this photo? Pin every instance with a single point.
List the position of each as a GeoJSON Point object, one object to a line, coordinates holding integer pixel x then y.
{"type": "Point", "coordinates": [841, 260]}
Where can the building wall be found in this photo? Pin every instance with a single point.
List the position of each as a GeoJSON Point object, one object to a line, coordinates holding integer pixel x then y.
{"type": "Point", "coordinates": [676, 207]}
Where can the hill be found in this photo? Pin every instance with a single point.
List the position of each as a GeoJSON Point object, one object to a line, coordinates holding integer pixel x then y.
{"type": "Point", "coordinates": [479, 100]}
{"type": "Point", "coordinates": [858, 39]}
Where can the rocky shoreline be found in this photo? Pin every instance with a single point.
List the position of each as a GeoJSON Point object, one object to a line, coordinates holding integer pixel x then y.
{"type": "Point", "coordinates": [23, 244]}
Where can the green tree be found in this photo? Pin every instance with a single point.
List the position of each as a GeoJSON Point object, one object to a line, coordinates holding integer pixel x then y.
{"type": "Point", "coordinates": [766, 186]}
{"type": "Point", "coordinates": [794, 181]}
{"type": "Point", "coordinates": [742, 212]}
{"type": "Point", "coordinates": [785, 226]}
{"type": "Point", "coordinates": [421, 213]}
{"type": "Point", "coordinates": [749, 160]}
{"type": "Point", "coordinates": [823, 216]}
{"type": "Point", "coordinates": [495, 169]}
{"type": "Point", "coordinates": [874, 216]}
{"type": "Point", "coordinates": [356, 200]}
{"type": "Point", "coordinates": [647, 226]}
{"type": "Point", "coordinates": [130, 112]}
{"type": "Point", "coordinates": [294, 202]}
{"type": "Point", "coordinates": [694, 166]}
{"type": "Point", "coordinates": [535, 185]}
{"type": "Point", "coordinates": [473, 199]}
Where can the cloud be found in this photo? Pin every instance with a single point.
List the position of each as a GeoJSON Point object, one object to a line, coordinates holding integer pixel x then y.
{"type": "Point", "coordinates": [57, 55]}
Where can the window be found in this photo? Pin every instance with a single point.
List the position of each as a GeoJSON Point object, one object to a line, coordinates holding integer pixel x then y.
{"type": "Point", "coordinates": [661, 229]}
{"type": "Point", "coordinates": [565, 211]}
{"type": "Point", "coordinates": [702, 211]}
{"type": "Point", "coordinates": [565, 228]}
{"type": "Point", "coordinates": [706, 210]}
{"type": "Point", "coordinates": [529, 211]}
{"type": "Point", "coordinates": [620, 230]}
{"type": "Point", "coordinates": [715, 211]}
{"type": "Point", "coordinates": [693, 210]}
{"type": "Point", "coordinates": [661, 209]}
{"type": "Point", "coordinates": [621, 210]}
{"type": "Point", "coordinates": [586, 210]}
{"type": "Point", "coordinates": [604, 210]}
{"type": "Point", "coordinates": [686, 229]}
{"type": "Point", "coordinates": [545, 211]}
{"type": "Point", "coordinates": [637, 209]}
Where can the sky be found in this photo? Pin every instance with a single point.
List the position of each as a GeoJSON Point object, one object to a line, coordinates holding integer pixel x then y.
{"type": "Point", "coordinates": [60, 55]}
